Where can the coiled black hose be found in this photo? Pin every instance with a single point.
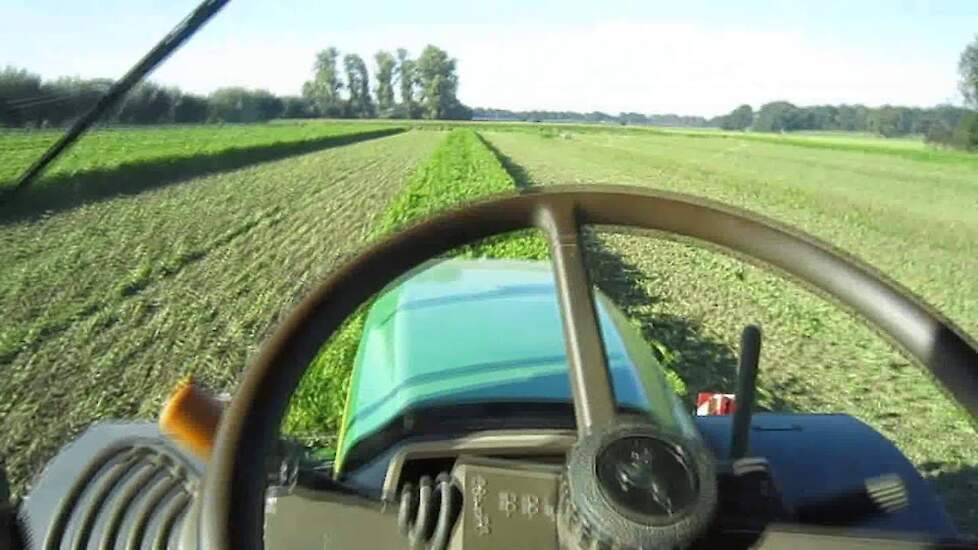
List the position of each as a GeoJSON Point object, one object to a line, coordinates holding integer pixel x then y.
{"type": "Point", "coordinates": [427, 514]}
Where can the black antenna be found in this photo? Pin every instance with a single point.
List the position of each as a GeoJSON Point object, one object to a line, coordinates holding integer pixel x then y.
{"type": "Point", "coordinates": [173, 40]}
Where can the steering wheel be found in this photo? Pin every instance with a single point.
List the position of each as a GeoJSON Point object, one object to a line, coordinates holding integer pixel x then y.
{"type": "Point", "coordinates": [233, 492]}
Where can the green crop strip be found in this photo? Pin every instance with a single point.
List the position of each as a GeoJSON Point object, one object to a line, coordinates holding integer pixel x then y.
{"type": "Point", "coordinates": [462, 169]}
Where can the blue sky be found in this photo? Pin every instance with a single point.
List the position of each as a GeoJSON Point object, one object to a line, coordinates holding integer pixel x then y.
{"type": "Point", "coordinates": [691, 57]}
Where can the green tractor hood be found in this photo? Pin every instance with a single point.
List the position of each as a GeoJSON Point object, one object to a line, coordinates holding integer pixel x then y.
{"type": "Point", "coordinates": [458, 332]}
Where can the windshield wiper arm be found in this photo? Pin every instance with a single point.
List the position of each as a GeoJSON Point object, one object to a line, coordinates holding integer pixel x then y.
{"type": "Point", "coordinates": [173, 40]}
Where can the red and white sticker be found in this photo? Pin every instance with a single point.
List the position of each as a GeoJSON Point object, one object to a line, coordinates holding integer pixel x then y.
{"type": "Point", "coordinates": [715, 404]}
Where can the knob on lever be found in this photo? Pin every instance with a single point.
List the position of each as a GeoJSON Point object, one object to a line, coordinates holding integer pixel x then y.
{"type": "Point", "coordinates": [750, 353]}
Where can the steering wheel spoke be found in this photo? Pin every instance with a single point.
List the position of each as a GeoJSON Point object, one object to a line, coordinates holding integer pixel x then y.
{"type": "Point", "coordinates": [594, 401]}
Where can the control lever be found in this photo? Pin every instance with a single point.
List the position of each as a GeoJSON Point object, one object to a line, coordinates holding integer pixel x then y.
{"type": "Point", "coordinates": [878, 495]}
{"type": "Point", "coordinates": [750, 353]}
{"type": "Point", "coordinates": [748, 499]}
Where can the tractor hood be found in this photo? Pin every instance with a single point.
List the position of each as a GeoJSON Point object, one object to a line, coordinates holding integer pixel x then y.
{"type": "Point", "coordinates": [458, 332]}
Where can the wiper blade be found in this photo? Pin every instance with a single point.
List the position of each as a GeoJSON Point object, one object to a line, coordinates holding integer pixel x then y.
{"type": "Point", "coordinates": [173, 40]}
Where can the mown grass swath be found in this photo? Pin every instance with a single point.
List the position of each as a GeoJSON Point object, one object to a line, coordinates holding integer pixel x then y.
{"type": "Point", "coordinates": [128, 161]}
{"type": "Point", "coordinates": [107, 305]}
{"type": "Point", "coordinates": [109, 148]}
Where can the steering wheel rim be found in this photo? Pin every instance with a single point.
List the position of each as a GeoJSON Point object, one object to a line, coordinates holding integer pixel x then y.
{"type": "Point", "coordinates": [232, 504]}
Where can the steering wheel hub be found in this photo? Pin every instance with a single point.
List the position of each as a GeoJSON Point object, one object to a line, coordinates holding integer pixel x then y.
{"type": "Point", "coordinates": [646, 478]}
{"type": "Point", "coordinates": [635, 486]}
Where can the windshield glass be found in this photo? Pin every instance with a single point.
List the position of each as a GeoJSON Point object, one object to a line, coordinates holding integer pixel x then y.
{"type": "Point", "coordinates": [172, 238]}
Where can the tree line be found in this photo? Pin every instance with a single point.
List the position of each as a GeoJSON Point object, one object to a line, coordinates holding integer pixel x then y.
{"type": "Point", "coordinates": [777, 116]}
{"type": "Point", "coordinates": [480, 113]}
{"type": "Point", "coordinates": [426, 88]}
{"type": "Point", "coordinates": [887, 121]}
{"type": "Point", "coordinates": [28, 101]}
{"type": "Point", "coordinates": [945, 125]}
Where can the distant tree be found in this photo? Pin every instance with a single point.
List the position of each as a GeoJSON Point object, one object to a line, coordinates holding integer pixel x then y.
{"type": "Point", "coordinates": [739, 119]}
{"type": "Point", "coordinates": [950, 115]}
{"type": "Point", "coordinates": [781, 116]}
{"type": "Point", "coordinates": [458, 111]}
{"type": "Point", "coordinates": [439, 83]}
{"type": "Point", "coordinates": [918, 120]}
{"type": "Point", "coordinates": [407, 80]}
{"type": "Point", "coordinates": [20, 91]}
{"type": "Point", "coordinates": [627, 118]}
{"type": "Point", "coordinates": [885, 121]}
{"type": "Point", "coordinates": [825, 117]}
{"type": "Point", "coordinates": [385, 85]}
{"type": "Point", "coordinates": [851, 118]}
{"type": "Point", "coordinates": [968, 69]}
{"type": "Point", "coordinates": [938, 133]}
{"type": "Point", "coordinates": [966, 134]}
{"type": "Point", "coordinates": [909, 120]}
{"type": "Point", "coordinates": [572, 116]}
{"type": "Point", "coordinates": [324, 88]}
{"type": "Point", "coordinates": [947, 125]}
{"type": "Point", "coordinates": [189, 108]}
{"type": "Point", "coordinates": [297, 107]}
{"type": "Point", "coordinates": [677, 120]}
{"type": "Point", "coordinates": [147, 103]}
{"type": "Point", "coordinates": [598, 116]}
{"type": "Point", "coordinates": [359, 103]}
{"type": "Point", "coordinates": [267, 104]}
{"type": "Point", "coordinates": [72, 96]}
{"type": "Point", "coordinates": [237, 104]}
{"type": "Point", "coordinates": [229, 105]}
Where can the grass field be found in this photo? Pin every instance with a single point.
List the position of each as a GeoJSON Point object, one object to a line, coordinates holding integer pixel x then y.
{"type": "Point", "coordinates": [108, 302]}
{"type": "Point", "coordinates": [111, 162]}
{"type": "Point", "coordinates": [917, 221]}
{"type": "Point", "coordinates": [109, 148]}
{"type": "Point", "coordinates": [913, 149]}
